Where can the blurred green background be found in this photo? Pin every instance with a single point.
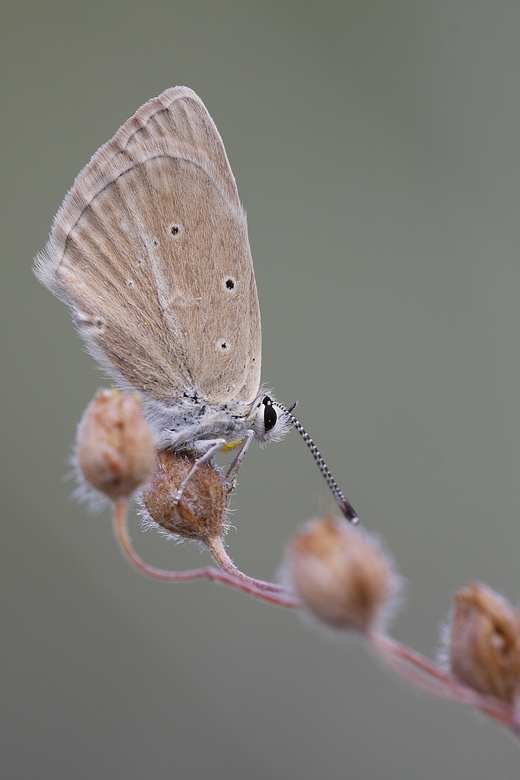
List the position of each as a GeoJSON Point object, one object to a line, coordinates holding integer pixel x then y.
{"type": "Point", "coordinates": [375, 146]}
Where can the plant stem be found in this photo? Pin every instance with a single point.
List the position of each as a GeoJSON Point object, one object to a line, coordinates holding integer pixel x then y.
{"type": "Point", "coordinates": [422, 673]}
{"type": "Point", "coordinates": [270, 592]}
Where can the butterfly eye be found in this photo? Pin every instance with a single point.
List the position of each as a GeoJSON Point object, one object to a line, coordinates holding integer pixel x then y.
{"type": "Point", "coordinates": [270, 416]}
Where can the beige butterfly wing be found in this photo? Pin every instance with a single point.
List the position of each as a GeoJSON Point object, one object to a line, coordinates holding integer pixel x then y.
{"type": "Point", "coordinates": [150, 251]}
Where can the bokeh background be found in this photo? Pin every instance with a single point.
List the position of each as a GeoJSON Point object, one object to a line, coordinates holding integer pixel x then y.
{"type": "Point", "coordinates": [375, 146]}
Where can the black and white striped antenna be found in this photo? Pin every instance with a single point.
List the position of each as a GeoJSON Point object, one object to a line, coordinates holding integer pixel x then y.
{"type": "Point", "coordinates": [345, 506]}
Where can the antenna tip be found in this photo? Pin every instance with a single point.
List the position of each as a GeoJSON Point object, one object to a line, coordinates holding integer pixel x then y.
{"type": "Point", "coordinates": [348, 512]}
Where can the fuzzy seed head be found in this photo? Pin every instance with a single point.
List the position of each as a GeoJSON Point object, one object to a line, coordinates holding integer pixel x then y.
{"type": "Point", "coordinates": [115, 450]}
{"type": "Point", "coordinates": [201, 513]}
{"type": "Point", "coordinates": [340, 574]}
{"type": "Point", "coordinates": [484, 642]}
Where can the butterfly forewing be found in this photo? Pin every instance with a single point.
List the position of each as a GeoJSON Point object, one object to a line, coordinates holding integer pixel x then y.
{"type": "Point", "coordinates": [150, 250]}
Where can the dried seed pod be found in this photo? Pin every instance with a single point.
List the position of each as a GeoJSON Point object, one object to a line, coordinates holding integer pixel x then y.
{"type": "Point", "coordinates": [484, 642]}
{"type": "Point", "coordinates": [201, 512]}
{"type": "Point", "coordinates": [340, 574]}
{"type": "Point", "coordinates": [115, 451]}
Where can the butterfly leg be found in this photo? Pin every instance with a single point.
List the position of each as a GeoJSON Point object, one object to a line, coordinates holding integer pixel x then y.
{"type": "Point", "coordinates": [215, 447]}
{"type": "Point", "coordinates": [235, 465]}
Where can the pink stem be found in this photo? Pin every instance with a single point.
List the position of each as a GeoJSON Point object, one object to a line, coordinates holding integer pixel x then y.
{"type": "Point", "coordinates": [267, 591]}
{"type": "Point", "coordinates": [220, 556]}
{"type": "Point", "coordinates": [422, 673]}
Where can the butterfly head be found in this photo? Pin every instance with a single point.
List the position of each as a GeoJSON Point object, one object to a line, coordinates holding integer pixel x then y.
{"type": "Point", "coordinates": [270, 421]}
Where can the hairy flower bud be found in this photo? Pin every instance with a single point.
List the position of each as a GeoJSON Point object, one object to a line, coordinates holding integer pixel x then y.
{"type": "Point", "coordinates": [484, 642]}
{"type": "Point", "coordinates": [340, 574]}
{"type": "Point", "coordinates": [115, 450]}
{"type": "Point", "coordinates": [201, 512]}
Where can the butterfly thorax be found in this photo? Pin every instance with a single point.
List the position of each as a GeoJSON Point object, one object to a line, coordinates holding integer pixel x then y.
{"type": "Point", "coordinates": [185, 426]}
{"type": "Point", "coordinates": [190, 424]}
